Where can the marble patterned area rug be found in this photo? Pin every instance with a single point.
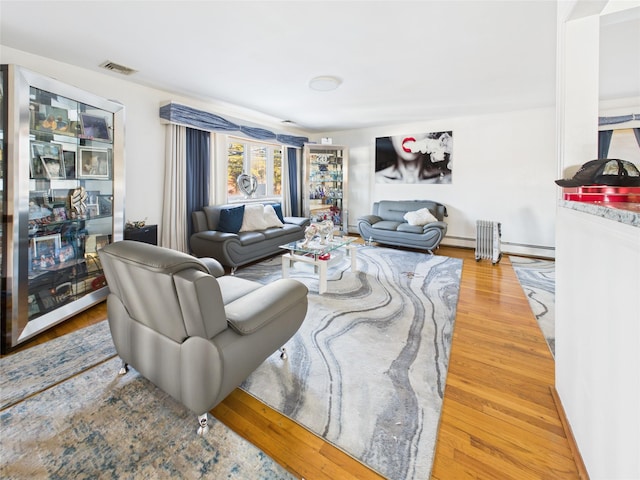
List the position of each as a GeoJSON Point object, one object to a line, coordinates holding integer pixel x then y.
{"type": "Point", "coordinates": [85, 421]}
{"type": "Point", "coordinates": [537, 278]}
{"type": "Point", "coordinates": [367, 369]}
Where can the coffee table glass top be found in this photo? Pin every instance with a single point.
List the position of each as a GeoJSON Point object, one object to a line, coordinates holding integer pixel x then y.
{"type": "Point", "coordinates": [316, 247]}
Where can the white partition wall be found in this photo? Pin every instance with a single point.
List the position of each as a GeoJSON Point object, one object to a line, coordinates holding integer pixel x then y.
{"type": "Point", "coordinates": [597, 275]}
{"type": "Point", "coordinates": [598, 340]}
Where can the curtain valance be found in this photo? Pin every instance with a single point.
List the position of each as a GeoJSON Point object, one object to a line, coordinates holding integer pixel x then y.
{"type": "Point", "coordinates": [184, 115]}
{"type": "Point", "coordinates": [618, 119]}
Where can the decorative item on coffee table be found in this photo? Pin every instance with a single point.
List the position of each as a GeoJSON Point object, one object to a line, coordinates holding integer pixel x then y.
{"type": "Point", "coordinates": [317, 253]}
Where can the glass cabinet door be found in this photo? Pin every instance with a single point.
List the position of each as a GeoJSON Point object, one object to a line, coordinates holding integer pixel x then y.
{"type": "Point", "coordinates": [70, 199]}
{"type": "Point", "coordinates": [325, 178]}
{"type": "Point", "coordinates": [64, 190]}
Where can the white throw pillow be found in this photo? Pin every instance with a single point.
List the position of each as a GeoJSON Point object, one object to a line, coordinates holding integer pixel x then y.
{"type": "Point", "coordinates": [420, 217]}
{"type": "Point", "coordinates": [271, 217]}
{"type": "Point", "coordinates": [253, 218]}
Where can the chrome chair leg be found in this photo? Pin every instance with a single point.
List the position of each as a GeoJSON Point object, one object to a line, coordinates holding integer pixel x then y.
{"type": "Point", "coordinates": [124, 368]}
{"type": "Point", "coordinates": [204, 426]}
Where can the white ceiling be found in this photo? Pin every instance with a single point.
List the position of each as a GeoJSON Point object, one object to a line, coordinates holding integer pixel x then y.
{"type": "Point", "coordinates": [400, 61]}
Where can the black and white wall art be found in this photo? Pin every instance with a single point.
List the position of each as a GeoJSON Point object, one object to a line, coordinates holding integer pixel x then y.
{"type": "Point", "coordinates": [414, 158]}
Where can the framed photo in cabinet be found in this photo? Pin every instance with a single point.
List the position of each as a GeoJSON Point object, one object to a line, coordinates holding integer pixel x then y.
{"type": "Point", "coordinates": [94, 127]}
{"type": "Point", "coordinates": [53, 119]}
{"type": "Point", "coordinates": [47, 160]}
{"type": "Point", "coordinates": [54, 168]}
{"type": "Point", "coordinates": [34, 306]}
{"type": "Point", "coordinates": [95, 242]}
{"type": "Point", "coordinates": [102, 241]}
{"type": "Point", "coordinates": [47, 300]}
{"type": "Point", "coordinates": [59, 213]}
{"type": "Point", "coordinates": [70, 164]}
{"type": "Point", "coordinates": [46, 250]}
{"type": "Point", "coordinates": [93, 210]}
{"type": "Point", "coordinates": [67, 253]}
{"type": "Point", "coordinates": [105, 204]}
{"type": "Point", "coordinates": [93, 163]}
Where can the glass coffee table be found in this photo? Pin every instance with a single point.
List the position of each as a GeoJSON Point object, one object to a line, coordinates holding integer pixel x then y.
{"type": "Point", "coordinates": [317, 254]}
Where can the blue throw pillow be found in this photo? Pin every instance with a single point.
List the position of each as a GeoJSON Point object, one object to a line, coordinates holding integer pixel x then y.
{"type": "Point", "coordinates": [278, 208]}
{"type": "Point", "coordinates": [231, 219]}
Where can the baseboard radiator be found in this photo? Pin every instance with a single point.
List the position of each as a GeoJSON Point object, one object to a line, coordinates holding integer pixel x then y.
{"type": "Point", "coordinates": [488, 234]}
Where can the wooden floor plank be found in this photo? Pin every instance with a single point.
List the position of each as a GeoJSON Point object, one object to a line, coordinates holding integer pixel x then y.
{"type": "Point", "coordinates": [497, 421]}
{"type": "Point", "coordinates": [538, 421]}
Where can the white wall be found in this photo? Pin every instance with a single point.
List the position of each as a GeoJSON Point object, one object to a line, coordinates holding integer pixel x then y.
{"type": "Point", "coordinates": [504, 167]}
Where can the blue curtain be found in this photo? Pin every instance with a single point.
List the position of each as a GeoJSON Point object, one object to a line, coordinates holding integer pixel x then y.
{"type": "Point", "coordinates": [198, 173]}
{"type": "Point", "coordinates": [293, 181]}
{"type": "Point", "coordinates": [604, 141]}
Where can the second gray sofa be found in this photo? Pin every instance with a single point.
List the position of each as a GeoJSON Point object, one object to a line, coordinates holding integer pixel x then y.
{"type": "Point", "coordinates": [387, 224]}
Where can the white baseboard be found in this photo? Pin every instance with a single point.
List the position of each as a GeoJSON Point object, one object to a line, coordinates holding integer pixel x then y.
{"type": "Point", "coordinates": [506, 247]}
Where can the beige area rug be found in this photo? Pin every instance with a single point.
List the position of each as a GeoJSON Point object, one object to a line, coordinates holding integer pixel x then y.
{"type": "Point", "coordinates": [66, 414]}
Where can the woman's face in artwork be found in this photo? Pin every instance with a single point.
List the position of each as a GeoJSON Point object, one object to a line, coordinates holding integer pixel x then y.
{"type": "Point", "coordinates": [405, 146]}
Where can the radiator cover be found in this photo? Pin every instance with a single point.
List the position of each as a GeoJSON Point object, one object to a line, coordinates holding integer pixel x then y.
{"type": "Point", "coordinates": [488, 234]}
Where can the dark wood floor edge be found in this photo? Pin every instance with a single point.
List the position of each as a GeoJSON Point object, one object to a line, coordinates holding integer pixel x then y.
{"type": "Point", "coordinates": [573, 446]}
{"type": "Point", "coordinates": [302, 426]}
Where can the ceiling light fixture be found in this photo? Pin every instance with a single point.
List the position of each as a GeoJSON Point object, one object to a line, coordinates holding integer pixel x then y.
{"type": "Point", "coordinates": [325, 83]}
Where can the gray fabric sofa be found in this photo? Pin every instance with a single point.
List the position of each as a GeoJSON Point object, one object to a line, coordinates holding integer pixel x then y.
{"type": "Point", "coordinates": [236, 249]}
{"type": "Point", "coordinates": [387, 224]}
{"type": "Point", "coordinates": [189, 329]}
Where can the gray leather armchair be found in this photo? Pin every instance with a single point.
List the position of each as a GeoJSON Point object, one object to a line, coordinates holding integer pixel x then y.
{"type": "Point", "coordinates": [190, 330]}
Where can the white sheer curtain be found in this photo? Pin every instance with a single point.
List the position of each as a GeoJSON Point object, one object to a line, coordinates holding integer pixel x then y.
{"type": "Point", "coordinates": [174, 207]}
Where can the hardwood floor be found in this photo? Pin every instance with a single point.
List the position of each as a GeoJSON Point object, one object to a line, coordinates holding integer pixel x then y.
{"type": "Point", "coordinates": [499, 419]}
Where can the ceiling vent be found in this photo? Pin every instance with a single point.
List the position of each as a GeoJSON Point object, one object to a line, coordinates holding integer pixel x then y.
{"type": "Point", "coordinates": [114, 67]}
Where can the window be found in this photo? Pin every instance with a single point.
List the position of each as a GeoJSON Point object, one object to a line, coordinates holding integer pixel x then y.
{"type": "Point", "coordinates": [262, 160]}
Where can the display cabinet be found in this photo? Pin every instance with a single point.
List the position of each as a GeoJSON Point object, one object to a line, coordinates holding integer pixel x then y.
{"type": "Point", "coordinates": [325, 183]}
{"type": "Point", "coordinates": [62, 157]}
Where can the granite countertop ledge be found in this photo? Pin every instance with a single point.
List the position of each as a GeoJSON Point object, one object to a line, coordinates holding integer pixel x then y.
{"type": "Point", "coordinates": [627, 213]}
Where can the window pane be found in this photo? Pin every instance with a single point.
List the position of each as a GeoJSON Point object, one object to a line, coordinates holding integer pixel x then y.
{"type": "Point", "coordinates": [234, 168]}
{"type": "Point", "coordinates": [259, 168]}
{"type": "Point", "coordinates": [277, 171]}
{"type": "Point", "coordinates": [261, 160]}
